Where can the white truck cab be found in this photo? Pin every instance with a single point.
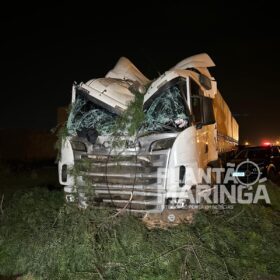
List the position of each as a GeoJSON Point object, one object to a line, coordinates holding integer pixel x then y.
{"type": "Point", "coordinates": [187, 127]}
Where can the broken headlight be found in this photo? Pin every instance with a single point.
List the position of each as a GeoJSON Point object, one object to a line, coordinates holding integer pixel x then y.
{"type": "Point", "coordinates": [163, 144]}
{"type": "Point", "coordinates": [78, 146]}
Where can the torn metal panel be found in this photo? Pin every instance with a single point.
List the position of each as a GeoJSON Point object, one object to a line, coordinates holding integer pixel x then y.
{"type": "Point", "coordinates": [202, 60]}
{"type": "Point", "coordinates": [200, 64]}
{"type": "Point", "coordinates": [126, 70]}
{"type": "Point", "coordinates": [112, 94]}
{"type": "Point", "coordinates": [97, 104]}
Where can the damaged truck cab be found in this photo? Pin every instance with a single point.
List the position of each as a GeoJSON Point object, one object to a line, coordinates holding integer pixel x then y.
{"type": "Point", "coordinates": [187, 126]}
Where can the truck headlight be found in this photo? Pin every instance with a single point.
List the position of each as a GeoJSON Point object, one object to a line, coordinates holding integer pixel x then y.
{"type": "Point", "coordinates": [163, 144]}
{"type": "Point", "coordinates": [78, 146]}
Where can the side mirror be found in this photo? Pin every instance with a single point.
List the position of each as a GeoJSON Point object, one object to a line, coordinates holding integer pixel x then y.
{"type": "Point", "coordinates": [205, 82]}
{"type": "Point", "coordinates": [210, 85]}
{"type": "Point", "coordinates": [208, 111]}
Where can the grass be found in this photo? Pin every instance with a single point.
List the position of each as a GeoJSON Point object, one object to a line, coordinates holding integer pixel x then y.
{"type": "Point", "coordinates": [43, 238]}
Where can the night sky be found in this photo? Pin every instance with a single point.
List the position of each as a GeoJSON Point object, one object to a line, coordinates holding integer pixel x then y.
{"type": "Point", "coordinates": [45, 49]}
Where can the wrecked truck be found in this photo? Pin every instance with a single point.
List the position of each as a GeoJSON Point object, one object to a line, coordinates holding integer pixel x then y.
{"type": "Point", "coordinates": [186, 125]}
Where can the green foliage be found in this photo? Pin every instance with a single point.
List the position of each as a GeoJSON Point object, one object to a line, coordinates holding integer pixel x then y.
{"type": "Point", "coordinates": [61, 134]}
{"type": "Point", "coordinates": [78, 169]}
{"type": "Point", "coordinates": [132, 118]}
{"type": "Point", "coordinates": [127, 124]}
{"type": "Point", "coordinates": [42, 238]}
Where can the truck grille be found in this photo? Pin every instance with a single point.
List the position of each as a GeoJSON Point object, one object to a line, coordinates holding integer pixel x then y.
{"type": "Point", "coordinates": [125, 181]}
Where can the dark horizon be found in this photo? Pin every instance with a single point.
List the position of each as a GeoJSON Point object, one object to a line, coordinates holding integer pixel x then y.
{"type": "Point", "coordinates": [45, 51]}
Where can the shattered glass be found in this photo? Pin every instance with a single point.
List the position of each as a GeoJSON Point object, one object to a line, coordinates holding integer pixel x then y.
{"type": "Point", "coordinates": [166, 111]}
{"type": "Point", "coordinates": [85, 115]}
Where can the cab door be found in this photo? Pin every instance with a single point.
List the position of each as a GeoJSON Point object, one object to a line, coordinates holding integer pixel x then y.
{"type": "Point", "coordinates": [196, 94]}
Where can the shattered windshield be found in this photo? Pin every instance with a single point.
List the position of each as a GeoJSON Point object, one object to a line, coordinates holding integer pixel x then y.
{"type": "Point", "coordinates": [167, 109]}
{"type": "Point", "coordinates": [85, 115]}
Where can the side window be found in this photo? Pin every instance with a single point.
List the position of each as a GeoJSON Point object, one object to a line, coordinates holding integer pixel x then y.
{"type": "Point", "coordinates": [195, 88]}
{"type": "Point", "coordinates": [196, 108]}
{"type": "Point", "coordinates": [196, 101]}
